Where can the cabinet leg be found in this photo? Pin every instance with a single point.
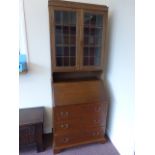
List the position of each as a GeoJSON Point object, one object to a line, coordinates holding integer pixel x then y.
{"type": "Point", "coordinates": [56, 151]}
{"type": "Point", "coordinates": [40, 148]}
{"type": "Point", "coordinates": [103, 141]}
{"type": "Point", "coordinates": [39, 137]}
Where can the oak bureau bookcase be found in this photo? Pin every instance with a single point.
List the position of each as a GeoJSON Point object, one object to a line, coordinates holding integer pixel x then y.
{"type": "Point", "coordinates": [78, 54]}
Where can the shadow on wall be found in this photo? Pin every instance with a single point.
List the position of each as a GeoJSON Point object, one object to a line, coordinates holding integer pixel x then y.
{"type": "Point", "coordinates": [107, 59]}
{"type": "Point", "coordinates": [47, 119]}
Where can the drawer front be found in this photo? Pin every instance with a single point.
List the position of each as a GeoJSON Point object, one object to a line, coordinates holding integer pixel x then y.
{"type": "Point", "coordinates": [66, 125]}
{"type": "Point", "coordinates": [79, 111]}
{"type": "Point", "coordinates": [79, 92]}
{"type": "Point", "coordinates": [81, 136]}
{"type": "Point", "coordinates": [27, 135]}
{"type": "Point", "coordinates": [66, 112]}
{"type": "Point", "coordinates": [69, 125]}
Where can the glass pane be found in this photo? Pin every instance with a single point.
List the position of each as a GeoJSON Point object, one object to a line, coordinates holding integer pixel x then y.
{"type": "Point", "coordinates": [59, 51]}
{"type": "Point", "coordinates": [59, 61]}
{"type": "Point", "coordinates": [58, 39]}
{"type": "Point", "coordinates": [86, 40]}
{"type": "Point", "coordinates": [98, 41]}
{"type": "Point", "coordinates": [97, 51]}
{"type": "Point", "coordinates": [92, 51]}
{"type": "Point", "coordinates": [58, 36]}
{"type": "Point", "coordinates": [58, 30]}
{"type": "Point", "coordinates": [97, 55]}
{"type": "Point", "coordinates": [72, 40]}
{"type": "Point", "coordinates": [91, 40]}
{"type": "Point", "coordinates": [92, 60]}
{"type": "Point", "coordinates": [92, 20]}
{"type": "Point", "coordinates": [72, 18]}
{"type": "Point", "coordinates": [65, 30]}
{"type": "Point", "coordinates": [72, 61]}
{"type": "Point", "coordinates": [86, 61]}
{"type": "Point", "coordinates": [58, 17]}
{"type": "Point", "coordinates": [98, 32]}
{"type": "Point", "coordinates": [92, 31]}
{"type": "Point", "coordinates": [66, 16]}
{"type": "Point", "coordinates": [86, 31]}
{"type": "Point", "coordinates": [72, 30]}
{"type": "Point", "coordinates": [66, 51]}
{"type": "Point", "coordinates": [72, 51]}
{"type": "Point", "coordinates": [86, 51]}
{"type": "Point", "coordinates": [66, 61]}
{"type": "Point", "coordinates": [65, 40]}
{"type": "Point", "coordinates": [97, 61]}
{"type": "Point", "coordinates": [99, 20]}
{"type": "Point", "coordinates": [87, 19]}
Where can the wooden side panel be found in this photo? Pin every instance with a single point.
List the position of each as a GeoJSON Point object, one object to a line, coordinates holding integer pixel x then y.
{"type": "Point", "coordinates": [66, 93]}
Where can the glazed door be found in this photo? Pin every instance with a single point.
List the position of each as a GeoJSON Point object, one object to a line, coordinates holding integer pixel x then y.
{"type": "Point", "coordinates": [93, 40]}
{"type": "Point", "coordinates": [64, 39]}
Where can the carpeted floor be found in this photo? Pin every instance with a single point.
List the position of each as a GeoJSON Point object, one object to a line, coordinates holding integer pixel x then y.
{"type": "Point", "coordinates": [91, 149]}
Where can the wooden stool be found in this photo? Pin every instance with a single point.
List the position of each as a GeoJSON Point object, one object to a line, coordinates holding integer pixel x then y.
{"type": "Point", "coordinates": [31, 127]}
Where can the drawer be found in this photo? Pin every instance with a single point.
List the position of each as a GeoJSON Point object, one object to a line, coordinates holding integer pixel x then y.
{"type": "Point", "coordinates": [70, 125]}
{"type": "Point", "coordinates": [94, 132]}
{"type": "Point", "coordinates": [67, 125]}
{"type": "Point", "coordinates": [80, 111]}
{"type": "Point", "coordinates": [80, 136]}
{"type": "Point", "coordinates": [94, 108]}
{"type": "Point", "coordinates": [66, 112]}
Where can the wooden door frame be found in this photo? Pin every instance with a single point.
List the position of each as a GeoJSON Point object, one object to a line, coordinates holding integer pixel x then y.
{"type": "Point", "coordinates": [103, 50]}
{"type": "Point", "coordinates": [52, 39]}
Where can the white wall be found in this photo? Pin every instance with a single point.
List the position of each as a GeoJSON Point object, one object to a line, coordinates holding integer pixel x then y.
{"type": "Point", "coordinates": [35, 86]}
{"type": "Point", "coordinates": [120, 74]}
{"type": "Point", "coordinates": [35, 89]}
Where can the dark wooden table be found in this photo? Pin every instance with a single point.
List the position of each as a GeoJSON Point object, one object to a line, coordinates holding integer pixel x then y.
{"type": "Point", "coordinates": [31, 127]}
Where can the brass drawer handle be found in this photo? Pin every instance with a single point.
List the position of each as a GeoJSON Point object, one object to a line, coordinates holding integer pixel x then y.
{"type": "Point", "coordinates": [96, 133]}
{"type": "Point", "coordinates": [64, 125]}
{"type": "Point", "coordinates": [64, 113]}
{"type": "Point", "coordinates": [98, 109]}
{"type": "Point", "coordinates": [65, 140]}
{"type": "Point", "coordinates": [96, 121]}
{"type": "Point", "coordinates": [61, 113]}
